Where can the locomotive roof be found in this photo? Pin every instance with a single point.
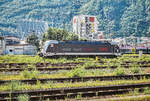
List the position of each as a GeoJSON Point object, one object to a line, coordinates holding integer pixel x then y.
{"type": "Point", "coordinates": [84, 42]}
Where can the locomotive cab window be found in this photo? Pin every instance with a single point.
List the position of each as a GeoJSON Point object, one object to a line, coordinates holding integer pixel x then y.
{"type": "Point", "coordinates": [52, 45]}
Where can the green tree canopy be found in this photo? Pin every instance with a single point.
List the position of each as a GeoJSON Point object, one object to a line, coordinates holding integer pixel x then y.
{"type": "Point", "coordinates": [33, 39]}
{"type": "Point", "coordinates": [133, 20]}
{"type": "Point", "coordinates": [114, 16]}
{"type": "Point", "coordinates": [58, 34]}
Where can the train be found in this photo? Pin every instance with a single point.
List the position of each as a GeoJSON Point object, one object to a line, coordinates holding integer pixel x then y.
{"type": "Point", "coordinates": [79, 48]}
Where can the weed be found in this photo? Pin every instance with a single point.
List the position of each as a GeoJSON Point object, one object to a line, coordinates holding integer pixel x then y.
{"type": "Point", "coordinates": [51, 84]}
{"type": "Point", "coordinates": [79, 96]}
{"type": "Point", "coordinates": [146, 90]}
{"type": "Point", "coordinates": [89, 64]}
{"type": "Point", "coordinates": [38, 83]}
{"type": "Point", "coordinates": [26, 74]}
{"type": "Point", "coordinates": [135, 68]}
{"type": "Point", "coordinates": [77, 72]}
{"type": "Point", "coordinates": [119, 71]}
{"type": "Point", "coordinates": [97, 93]}
{"type": "Point", "coordinates": [136, 91]}
{"type": "Point", "coordinates": [10, 96]}
{"type": "Point", "coordinates": [31, 66]}
{"type": "Point", "coordinates": [13, 85]}
{"type": "Point", "coordinates": [23, 97]}
{"type": "Point", "coordinates": [33, 74]}
{"type": "Point", "coordinates": [96, 72]}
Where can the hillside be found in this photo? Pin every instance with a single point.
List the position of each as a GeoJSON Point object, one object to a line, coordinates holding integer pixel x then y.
{"type": "Point", "coordinates": [119, 17]}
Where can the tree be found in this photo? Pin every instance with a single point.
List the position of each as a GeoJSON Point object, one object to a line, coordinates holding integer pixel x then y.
{"type": "Point", "coordinates": [72, 37]}
{"type": "Point", "coordinates": [133, 20]}
{"type": "Point", "coordinates": [33, 39]}
{"type": "Point", "coordinates": [54, 34]}
{"type": "Point", "coordinates": [58, 34]}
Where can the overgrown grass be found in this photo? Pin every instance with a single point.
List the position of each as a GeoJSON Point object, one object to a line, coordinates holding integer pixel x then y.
{"type": "Point", "coordinates": [23, 97]}
{"type": "Point", "coordinates": [77, 72]}
{"type": "Point", "coordinates": [49, 85]}
{"type": "Point", "coordinates": [37, 59]}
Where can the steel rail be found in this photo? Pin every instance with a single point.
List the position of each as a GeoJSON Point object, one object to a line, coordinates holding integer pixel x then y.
{"type": "Point", "coordinates": [83, 79]}
{"type": "Point", "coordinates": [63, 68]}
{"type": "Point", "coordinates": [67, 91]}
{"type": "Point", "coordinates": [39, 64]}
{"type": "Point", "coordinates": [71, 95]}
{"type": "Point", "coordinates": [59, 64]}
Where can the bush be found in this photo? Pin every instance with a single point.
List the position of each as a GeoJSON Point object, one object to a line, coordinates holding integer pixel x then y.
{"type": "Point", "coordinates": [77, 72]}
{"type": "Point", "coordinates": [89, 64]}
{"type": "Point", "coordinates": [30, 74]}
{"type": "Point", "coordinates": [26, 74]}
{"type": "Point", "coordinates": [14, 85]}
{"type": "Point", "coordinates": [120, 71]}
{"type": "Point", "coordinates": [146, 90]}
{"type": "Point", "coordinates": [135, 68]}
{"type": "Point", "coordinates": [24, 97]}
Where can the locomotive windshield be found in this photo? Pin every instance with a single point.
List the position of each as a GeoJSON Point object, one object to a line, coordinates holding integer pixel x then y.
{"type": "Point", "coordinates": [47, 43]}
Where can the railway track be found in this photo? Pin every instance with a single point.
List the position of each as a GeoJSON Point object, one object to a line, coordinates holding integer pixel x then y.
{"type": "Point", "coordinates": [19, 65]}
{"type": "Point", "coordinates": [62, 68]}
{"type": "Point", "coordinates": [62, 93]}
{"type": "Point", "coordinates": [78, 79]}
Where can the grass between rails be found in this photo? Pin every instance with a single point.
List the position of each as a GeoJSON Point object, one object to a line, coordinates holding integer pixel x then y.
{"type": "Point", "coordinates": [130, 98]}
{"type": "Point", "coordinates": [88, 62]}
{"type": "Point", "coordinates": [77, 72]}
{"type": "Point", "coordinates": [136, 95]}
{"type": "Point", "coordinates": [14, 86]}
{"type": "Point", "coordinates": [32, 59]}
{"type": "Point", "coordinates": [37, 59]}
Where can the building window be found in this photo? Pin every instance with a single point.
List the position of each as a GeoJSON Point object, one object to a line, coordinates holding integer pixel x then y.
{"type": "Point", "coordinates": [11, 50]}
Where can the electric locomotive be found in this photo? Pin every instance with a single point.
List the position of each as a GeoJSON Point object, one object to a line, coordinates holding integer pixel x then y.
{"type": "Point", "coordinates": [79, 48]}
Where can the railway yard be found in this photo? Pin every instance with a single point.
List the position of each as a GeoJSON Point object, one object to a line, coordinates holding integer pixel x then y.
{"type": "Point", "coordinates": [34, 78]}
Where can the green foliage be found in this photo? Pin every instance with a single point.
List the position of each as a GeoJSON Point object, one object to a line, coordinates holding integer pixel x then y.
{"type": "Point", "coordinates": [135, 68]}
{"type": "Point", "coordinates": [58, 34]}
{"type": "Point", "coordinates": [133, 20]}
{"type": "Point", "coordinates": [79, 96]}
{"type": "Point", "coordinates": [89, 64]}
{"type": "Point", "coordinates": [33, 74]}
{"type": "Point", "coordinates": [115, 16]}
{"type": "Point", "coordinates": [119, 71]}
{"type": "Point", "coordinates": [33, 39]}
{"type": "Point", "coordinates": [146, 90]}
{"type": "Point", "coordinates": [136, 91]}
{"type": "Point", "coordinates": [26, 74]}
{"type": "Point", "coordinates": [72, 37]}
{"type": "Point", "coordinates": [77, 72]}
{"type": "Point", "coordinates": [23, 97]}
{"type": "Point", "coordinates": [13, 85]}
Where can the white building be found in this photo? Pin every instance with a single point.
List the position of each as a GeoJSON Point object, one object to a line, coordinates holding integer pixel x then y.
{"type": "Point", "coordinates": [86, 26]}
{"type": "Point", "coordinates": [2, 45]}
{"type": "Point", "coordinates": [21, 49]}
{"type": "Point", "coordinates": [12, 46]}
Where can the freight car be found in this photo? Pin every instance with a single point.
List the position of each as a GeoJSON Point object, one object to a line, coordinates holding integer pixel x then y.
{"type": "Point", "coordinates": [79, 48]}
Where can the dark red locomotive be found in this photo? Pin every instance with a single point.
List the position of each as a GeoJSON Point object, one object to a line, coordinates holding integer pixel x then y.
{"type": "Point", "coordinates": [56, 48]}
